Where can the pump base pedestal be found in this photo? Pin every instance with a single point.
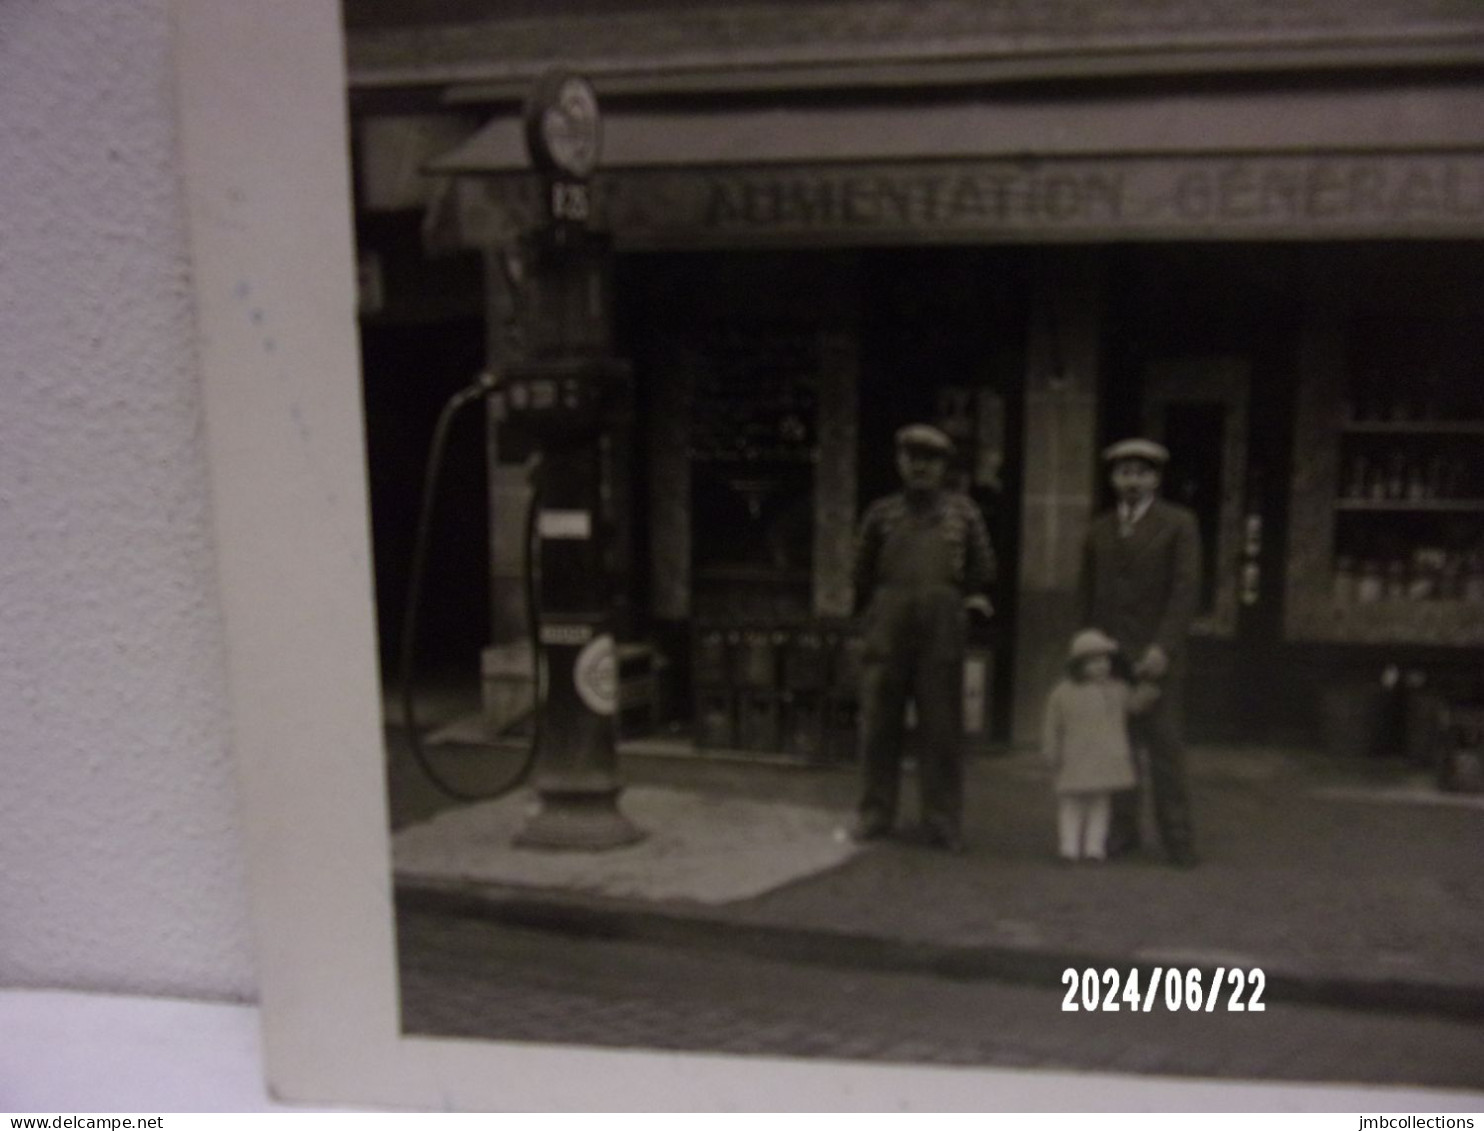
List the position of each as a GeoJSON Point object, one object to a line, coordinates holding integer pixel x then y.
{"type": "Point", "coordinates": [579, 822]}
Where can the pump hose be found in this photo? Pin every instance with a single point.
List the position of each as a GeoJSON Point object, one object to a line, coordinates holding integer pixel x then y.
{"type": "Point", "coordinates": [408, 653]}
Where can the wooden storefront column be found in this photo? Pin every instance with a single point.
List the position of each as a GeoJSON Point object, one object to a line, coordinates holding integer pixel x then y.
{"type": "Point", "coordinates": [509, 483]}
{"type": "Point", "coordinates": [835, 476]}
{"type": "Point", "coordinates": [1060, 473]}
{"type": "Point", "coordinates": [506, 663]}
{"type": "Point", "coordinates": [666, 433]}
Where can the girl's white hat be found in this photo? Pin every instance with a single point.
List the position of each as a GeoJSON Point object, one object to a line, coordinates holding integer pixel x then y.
{"type": "Point", "coordinates": [1091, 642]}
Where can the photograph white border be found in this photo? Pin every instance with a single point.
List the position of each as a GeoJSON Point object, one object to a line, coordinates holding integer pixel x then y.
{"type": "Point", "coordinates": [266, 165]}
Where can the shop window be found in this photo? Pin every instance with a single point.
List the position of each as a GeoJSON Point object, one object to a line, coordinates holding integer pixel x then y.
{"type": "Point", "coordinates": [1409, 498]}
{"type": "Point", "coordinates": [753, 441]}
{"type": "Point", "coordinates": [753, 520]}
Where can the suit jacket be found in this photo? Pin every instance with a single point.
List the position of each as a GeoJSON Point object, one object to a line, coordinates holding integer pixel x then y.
{"type": "Point", "coordinates": [1143, 589]}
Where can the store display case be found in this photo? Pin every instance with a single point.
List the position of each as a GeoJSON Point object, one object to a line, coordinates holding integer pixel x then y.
{"type": "Point", "coordinates": [1388, 490]}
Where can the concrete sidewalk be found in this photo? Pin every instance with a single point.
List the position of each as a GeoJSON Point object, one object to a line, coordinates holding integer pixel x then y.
{"type": "Point", "coordinates": [1345, 882]}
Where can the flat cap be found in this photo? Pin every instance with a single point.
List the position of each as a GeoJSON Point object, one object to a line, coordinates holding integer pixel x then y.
{"type": "Point", "coordinates": [1146, 450]}
{"type": "Point", "coordinates": [1091, 642]}
{"type": "Point", "coordinates": [926, 438]}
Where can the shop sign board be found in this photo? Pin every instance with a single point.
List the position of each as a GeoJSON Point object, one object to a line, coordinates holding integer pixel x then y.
{"type": "Point", "coordinates": [1335, 196]}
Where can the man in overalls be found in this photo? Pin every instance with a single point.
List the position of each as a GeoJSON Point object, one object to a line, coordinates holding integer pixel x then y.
{"type": "Point", "coordinates": [923, 559]}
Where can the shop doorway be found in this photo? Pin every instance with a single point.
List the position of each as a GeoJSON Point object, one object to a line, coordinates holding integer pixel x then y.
{"type": "Point", "coordinates": [1202, 354]}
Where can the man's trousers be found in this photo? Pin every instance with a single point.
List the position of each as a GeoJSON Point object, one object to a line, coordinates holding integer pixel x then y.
{"type": "Point", "coordinates": [1159, 734]}
{"type": "Point", "coordinates": [914, 649]}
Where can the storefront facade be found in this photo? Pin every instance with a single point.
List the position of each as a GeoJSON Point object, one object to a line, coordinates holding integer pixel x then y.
{"type": "Point", "coordinates": [1262, 249]}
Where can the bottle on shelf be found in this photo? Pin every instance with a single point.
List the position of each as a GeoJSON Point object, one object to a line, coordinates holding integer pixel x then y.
{"type": "Point", "coordinates": [1450, 578]}
{"type": "Point", "coordinates": [1396, 476]}
{"type": "Point", "coordinates": [1345, 580]}
{"type": "Point", "coordinates": [1427, 572]}
{"type": "Point", "coordinates": [1473, 584]}
{"type": "Point", "coordinates": [1428, 403]}
{"type": "Point", "coordinates": [1396, 580]}
{"type": "Point", "coordinates": [1416, 483]}
{"type": "Point", "coordinates": [1436, 477]}
{"type": "Point", "coordinates": [1376, 482]}
{"type": "Point", "coordinates": [1370, 585]}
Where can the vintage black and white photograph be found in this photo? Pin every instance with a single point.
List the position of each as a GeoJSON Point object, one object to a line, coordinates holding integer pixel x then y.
{"type": "Point", "coordinates": [935, 534]}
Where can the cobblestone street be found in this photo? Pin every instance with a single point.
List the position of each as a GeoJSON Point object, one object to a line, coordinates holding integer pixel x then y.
{"type": "Point", "coordinates": [475, 978]}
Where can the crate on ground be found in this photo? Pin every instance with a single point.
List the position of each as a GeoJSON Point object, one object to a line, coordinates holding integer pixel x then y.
{"type": "Point", "coordinates": [847, 660]}
{"type": "Point", "coordinates": [802, 724]}
{"type": "Point", "coordinates": [755, 656]}
{"type": "Point", "coordinates": [757, 720]}
{"type": "Point", "coordinates": [806, 660]}
{"type": "Point", "coordinates": [716, 721]}
{"type": "Point", "coordinates": [710, 656]}
{"type": "Point", "coordinates": [643, 688]}
{"type": "Point", "coordinates": [1425, 727]}
{"type": "Point", "coordinates": [841, 728]}
{"type": "Point", "coordinates": [1461, 766]}
{"type": "Point", "coordinates": [978, 710]}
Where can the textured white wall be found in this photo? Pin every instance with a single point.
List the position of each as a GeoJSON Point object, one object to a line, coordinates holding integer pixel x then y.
{"type": "Point", "coordinates": [121, 866]}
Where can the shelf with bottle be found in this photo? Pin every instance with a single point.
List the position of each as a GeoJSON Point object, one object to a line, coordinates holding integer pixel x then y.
{"type": "Point", "coordinates": [1414, 427]}
{"type": "Point", "coordinates": [1429, 574]}
{"type": "Point", "coordinates": [754, 454]}
{"type": "Point", "coordinates": [1403, 506]}
{"type": "Point", "coordinates": [1417, 399]}
{"type": "Point", "coordinates": [1386, 526]}
{"type": "Point", "coordinates": [1409, 478]}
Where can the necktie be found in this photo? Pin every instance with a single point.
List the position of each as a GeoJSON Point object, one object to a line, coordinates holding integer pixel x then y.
{"type": "Point", "coordinates": [1125, 521]}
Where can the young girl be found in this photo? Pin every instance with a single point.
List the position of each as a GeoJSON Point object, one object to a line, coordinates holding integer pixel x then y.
{"type": "Point", "coordinates": [1085, 738]}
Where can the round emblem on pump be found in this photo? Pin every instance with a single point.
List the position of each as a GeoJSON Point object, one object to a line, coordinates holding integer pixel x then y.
{"type": "Point", "coordinates": [595, 675]}
{"type": "Point", "coordinates": [563, 129]}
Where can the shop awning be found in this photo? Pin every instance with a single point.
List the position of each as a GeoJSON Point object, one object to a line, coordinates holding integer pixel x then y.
{"type": "Point", "coordinates": [1370, 120]}
{"type": "Point", "coordinates": [1349, 163]}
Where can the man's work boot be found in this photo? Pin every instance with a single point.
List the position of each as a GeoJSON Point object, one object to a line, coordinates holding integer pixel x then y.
{"type": "Point", "coordinates": [868, 827]}
{"type": "Point", "coordinates": [1184, 857]}
{"type": "Point", "coordinates": [946, 838]}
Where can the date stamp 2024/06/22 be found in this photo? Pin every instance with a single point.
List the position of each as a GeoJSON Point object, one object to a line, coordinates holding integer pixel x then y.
{"type": "Point", "coordinates": [1173, 989]}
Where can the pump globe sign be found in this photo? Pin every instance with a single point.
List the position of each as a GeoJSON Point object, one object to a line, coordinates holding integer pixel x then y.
{"type": "Point", "coordinates": [564, 135]}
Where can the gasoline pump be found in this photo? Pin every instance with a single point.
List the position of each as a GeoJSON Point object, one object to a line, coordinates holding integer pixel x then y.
{"type": "Point", "coordinates": [565, 399]}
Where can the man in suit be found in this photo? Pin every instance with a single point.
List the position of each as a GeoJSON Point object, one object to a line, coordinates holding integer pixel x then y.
{"type": "Point", "coordinates": [922, 562]}
{"type": "Point", "coordinates": [1140, 583]}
